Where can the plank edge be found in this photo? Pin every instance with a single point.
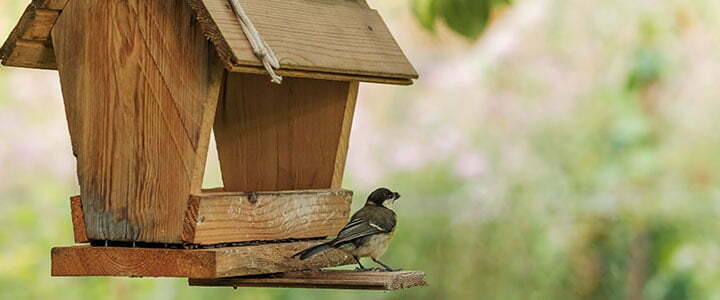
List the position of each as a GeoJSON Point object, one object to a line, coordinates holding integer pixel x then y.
{"type": "Point", "coordinates": [323, 279]}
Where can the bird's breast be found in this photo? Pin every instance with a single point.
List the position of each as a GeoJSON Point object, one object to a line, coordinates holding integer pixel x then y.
{"type": "Point", "coordinates": [373, 246]}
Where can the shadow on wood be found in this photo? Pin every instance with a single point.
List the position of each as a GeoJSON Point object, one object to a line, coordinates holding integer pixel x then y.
{"type": "Point", "coordinates": [327, 279]}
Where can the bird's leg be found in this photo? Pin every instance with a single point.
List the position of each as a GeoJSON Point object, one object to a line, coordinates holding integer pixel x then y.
{"type": "Point", "coordinates": [387, 268]}
{"type": "Point", "coordinates": [361, 268]}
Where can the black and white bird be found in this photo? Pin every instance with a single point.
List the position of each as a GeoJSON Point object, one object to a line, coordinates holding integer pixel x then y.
{"type": "Point", "coordinates": [368, 233]}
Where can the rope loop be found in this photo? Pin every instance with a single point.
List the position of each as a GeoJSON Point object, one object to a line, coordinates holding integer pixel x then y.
{"type": "Point", "coordinates": [260, 48]}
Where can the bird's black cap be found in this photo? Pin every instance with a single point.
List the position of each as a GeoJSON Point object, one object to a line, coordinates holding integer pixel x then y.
{"type": "Point", "coordinates": [381, 195]}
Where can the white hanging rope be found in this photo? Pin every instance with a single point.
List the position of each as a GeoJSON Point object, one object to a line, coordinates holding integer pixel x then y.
{"type": "Point", "coordinates": [259, 46]}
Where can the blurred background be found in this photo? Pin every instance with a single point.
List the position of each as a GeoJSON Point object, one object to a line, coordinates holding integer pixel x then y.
{"type": "Point", "coordinates": [552, 149]}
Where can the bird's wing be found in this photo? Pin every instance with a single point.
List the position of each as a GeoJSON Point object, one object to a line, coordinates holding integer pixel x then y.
{"type": "Point", "coordinates": [355, 230]}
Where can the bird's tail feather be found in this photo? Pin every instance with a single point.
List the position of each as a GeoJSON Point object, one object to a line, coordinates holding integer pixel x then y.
{"type": "Point", "coordinates": [309, 252]}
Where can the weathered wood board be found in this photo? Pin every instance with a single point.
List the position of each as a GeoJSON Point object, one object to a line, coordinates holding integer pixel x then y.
{"type": "Point", "coordinates": [31, 54]}
{"type": "Point", "coordinates": [29, 44]}
{"type": "Point", "coordinates": [323, 75]}
{"type": "Point", "coordinates": [51, 4]}
{"type": "Point", "coordinates": [216, 218]}
{"type": "Point", "coordinates": [202, 263]}
{"type": "Point", "coordinates": [288, 137]}
{"type": "Point", "coordinates": [43, 22]}
{"type": "Point", "coordinates": [332, 36]}
{"type": "Point", "coordinates": [327, 279]}
{"type": "Point", "coordinates": [78, 220]}
{"type": "Point", "coordinates": [141, 86]}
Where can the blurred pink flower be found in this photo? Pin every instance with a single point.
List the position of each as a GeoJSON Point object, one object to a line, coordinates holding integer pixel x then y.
{"type": "Point", "coordinates": [470, 166]}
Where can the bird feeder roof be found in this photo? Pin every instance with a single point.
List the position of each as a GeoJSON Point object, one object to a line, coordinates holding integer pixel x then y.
{"type": "Point", "coordinates": [329, 39]}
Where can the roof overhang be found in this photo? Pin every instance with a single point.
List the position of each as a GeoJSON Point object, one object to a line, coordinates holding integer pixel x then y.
{"type": "Point", "coordinates": [327, 39]}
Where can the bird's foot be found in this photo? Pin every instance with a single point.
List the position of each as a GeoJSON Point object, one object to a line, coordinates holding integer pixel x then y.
{"type": "Point", "coordinates": [361, 269]}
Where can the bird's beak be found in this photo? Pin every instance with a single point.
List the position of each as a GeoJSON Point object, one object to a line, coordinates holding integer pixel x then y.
{"type": "Point", "coordinates": [396, 196]}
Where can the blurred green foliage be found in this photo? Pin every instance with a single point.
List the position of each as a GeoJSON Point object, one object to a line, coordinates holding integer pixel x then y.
{"type": "Point", "coordinates": [466, 17]}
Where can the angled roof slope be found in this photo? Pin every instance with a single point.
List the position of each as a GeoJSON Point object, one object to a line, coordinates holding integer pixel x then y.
{"type": "Point", "coordinates": [29, 43]}
{"type": "Point", "coordinates": [340, 39]}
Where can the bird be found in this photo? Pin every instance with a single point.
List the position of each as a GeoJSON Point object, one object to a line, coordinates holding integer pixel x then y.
{"type": "Point", "coordinates": [367, 234]}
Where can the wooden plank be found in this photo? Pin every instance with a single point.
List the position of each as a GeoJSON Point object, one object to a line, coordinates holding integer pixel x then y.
{"type": "Point", "coordinates": [28, 45]}
{"type": "Point", "coordinates": [286, 137]}
{"type": "Point", "coordinates": [327, 279]}
{"type": "Point", "coordinates": [344, 139]}
{"type": "Point", "coordinates": [202, 263]}
{"type": "Point", "coordinates": [362, 3]}
{"type": "Point", "coordinates": [273, 258]}
{"type": "Point", "coordinates": [30, 54]}
{"type": "Point", "coordinates": [331, 36]}
{"type": "Point", "coordinates": [139, 89]}
{"type": "Point", "coordinates": [51, 4]}
{"type": "Point", "coordinates": [78, 220]}
{"type": "Point", "coordinates": [131, 262]}
{"type": "Point", "coordinates": [238, 217]}
{"type": "Point", "coordinates": [9, 45]}
{"type": "Point", "coordinates": [323, 75]}
{"type": "Point", "coordinates": [216, 80]}
{"type": "Point", "coordinates": [42, 23]}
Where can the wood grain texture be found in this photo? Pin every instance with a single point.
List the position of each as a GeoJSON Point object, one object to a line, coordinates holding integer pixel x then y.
{"type": "Point", "coordinates": [203, 263]}
{"type": "Point", "coordinates": [131, 262]}
{"type": "Point", "coordinates": [78, 220]}
{"type": "Point", "coordinates": [344, 139]}
{"type": "Point", "coordinates": [30, 54]}
{"type": "Point", "coordinates": [286, 137]}
{"type": "Point", "coordinates": [51, 4]}
{"type": "Point", "coordinates": [215, 85]}
{"type": "Point", "coordinates": [43, 22]}
{"type": "Point", "coordinates": [28, 45]}
{"type": "Point", "coordinates": [331, 36]}
{"type": "Point", "coordinates": [25, 21]}
{"type": "Point", "coordinates": [140, 89]}
{"type": "Point", "coordinates": [323, 75]}
{"type": "Point", "coordinates": [327, 279]}
{"type": "Point", "coordinates": [238, 217]}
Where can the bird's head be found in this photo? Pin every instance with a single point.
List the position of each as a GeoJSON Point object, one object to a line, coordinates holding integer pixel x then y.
{"type": "Point", "coordinates": [382, 197]}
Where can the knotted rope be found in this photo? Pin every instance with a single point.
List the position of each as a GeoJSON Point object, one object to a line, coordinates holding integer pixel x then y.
{"type": "Point", "coordinates": [259, 46]}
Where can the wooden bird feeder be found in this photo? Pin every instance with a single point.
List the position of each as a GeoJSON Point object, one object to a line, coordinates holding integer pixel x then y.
{"type": "Point", "coordinates": [144, 84]}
